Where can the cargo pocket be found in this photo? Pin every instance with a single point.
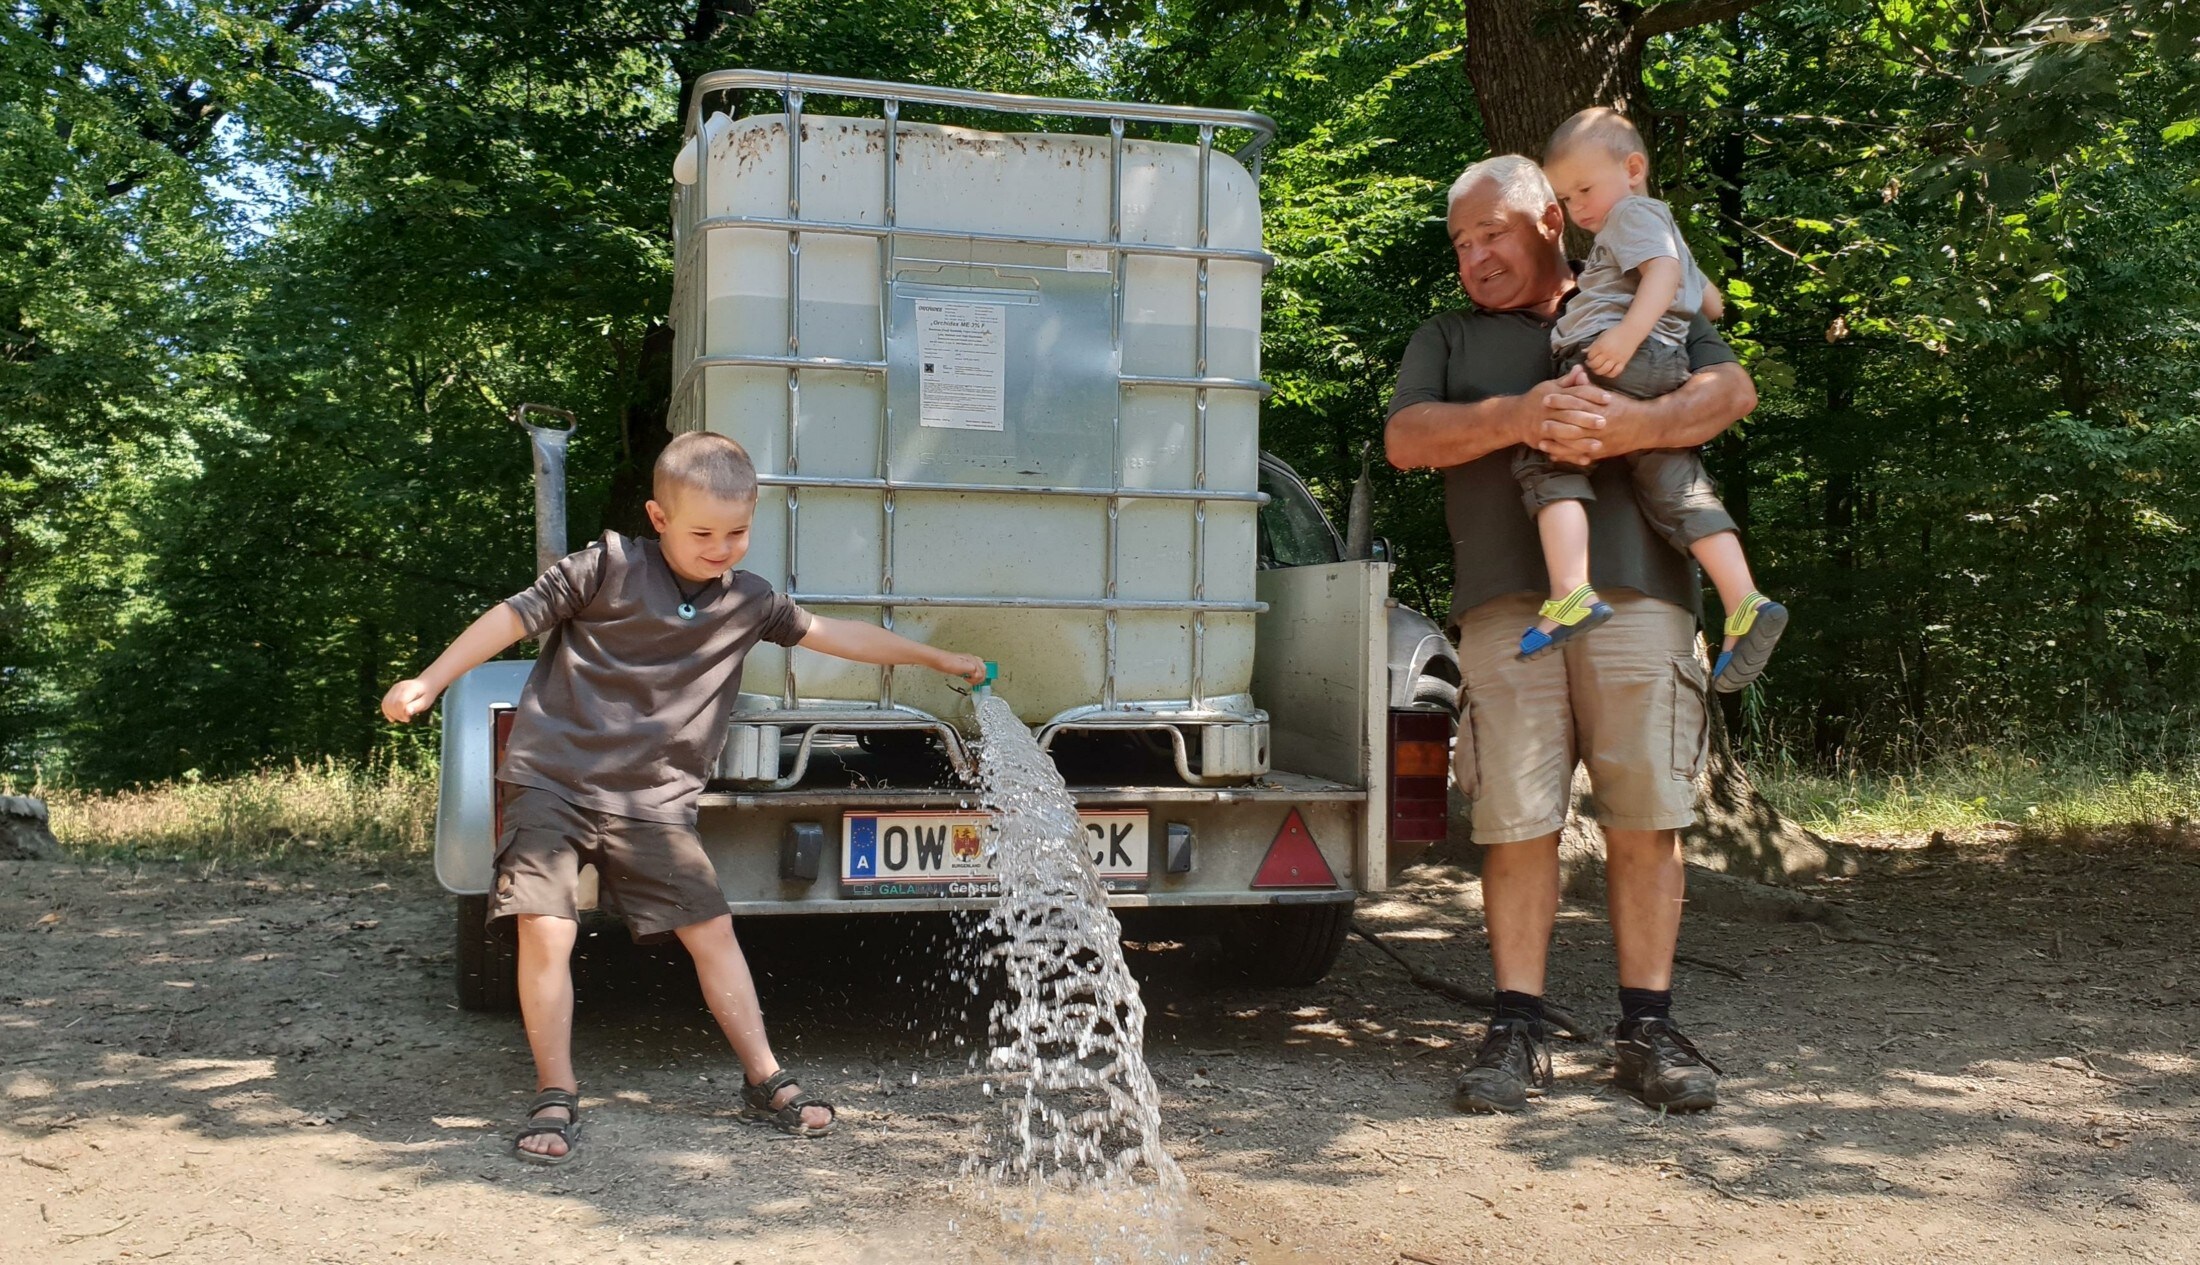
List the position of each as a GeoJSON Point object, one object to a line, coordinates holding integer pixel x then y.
{"type": "Point", "coordinates": [1691, 717]}
{"type": "Point", "coordinates": [1466, 770]}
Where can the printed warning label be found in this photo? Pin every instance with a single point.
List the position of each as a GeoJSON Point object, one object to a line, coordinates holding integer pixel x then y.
{"type": "Point", "coordinates": [962, 365]}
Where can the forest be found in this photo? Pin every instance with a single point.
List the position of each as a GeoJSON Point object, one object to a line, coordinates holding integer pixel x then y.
{"type": "Point", "coordinates": [273, 273]}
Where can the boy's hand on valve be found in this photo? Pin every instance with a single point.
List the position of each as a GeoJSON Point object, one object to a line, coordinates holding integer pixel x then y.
{"type": "Point", "coordinates": [969, 667]}
{"type": "Point", "coordinates": [407, 699]}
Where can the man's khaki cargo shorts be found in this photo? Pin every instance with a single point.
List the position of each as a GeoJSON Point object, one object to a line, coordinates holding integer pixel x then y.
{"type": "Point", "coordinates": [1627, 699]}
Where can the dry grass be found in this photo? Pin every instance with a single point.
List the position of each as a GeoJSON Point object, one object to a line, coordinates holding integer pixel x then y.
{"type": "Point", "coordinates": [2038, 794]}
{"type": "Point", "coordinates": [305, 811]}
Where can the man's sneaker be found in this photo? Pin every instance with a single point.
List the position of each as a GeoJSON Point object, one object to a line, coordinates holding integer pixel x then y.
{"type": "Point", "coordinates": [1664, 1067]}
{"type": "Point", "coordinates": [1513, 1065]}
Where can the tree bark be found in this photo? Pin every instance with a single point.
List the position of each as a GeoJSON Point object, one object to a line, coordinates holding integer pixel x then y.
{"type": "Point", "coordinates": [1533, 63]}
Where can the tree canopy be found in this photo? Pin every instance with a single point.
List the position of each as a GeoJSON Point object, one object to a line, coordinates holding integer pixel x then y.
{"type": "Point", "coordinates": [273, 274]}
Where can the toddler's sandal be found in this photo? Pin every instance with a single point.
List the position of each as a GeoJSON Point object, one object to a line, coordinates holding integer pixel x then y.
{"type": "Point", "coordinates": [786, 1117]}
{"type": "Point", "coordinates": [568, 1129]}
{"type": "Point", "coordinates": [1575, 614]}
{"type": "Point", "coordinates": [1757, 626]}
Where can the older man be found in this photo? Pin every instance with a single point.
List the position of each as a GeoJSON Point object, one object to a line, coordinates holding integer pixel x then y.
{"type": "Point", "coordinates": [1628, 699]}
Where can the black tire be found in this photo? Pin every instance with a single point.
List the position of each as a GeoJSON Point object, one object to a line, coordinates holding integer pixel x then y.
{"type": "Point", "coordinates": [488, 958]}
{"type": "Point", "coordinates": [1435, 691]}
{"type": "Point", "coordinates": [1287, 946]}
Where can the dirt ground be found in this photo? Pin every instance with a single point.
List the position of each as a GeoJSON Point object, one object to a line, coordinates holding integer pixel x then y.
{"type": "Point", "coordinates": [269, 1068]}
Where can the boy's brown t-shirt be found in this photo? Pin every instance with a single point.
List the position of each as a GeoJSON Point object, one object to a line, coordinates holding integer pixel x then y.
{"type": "Point", "coordinates": [627, 707]}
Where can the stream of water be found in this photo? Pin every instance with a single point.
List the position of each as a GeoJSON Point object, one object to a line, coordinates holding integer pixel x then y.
{"type": "Point", "coordinates": [1075, 1147]}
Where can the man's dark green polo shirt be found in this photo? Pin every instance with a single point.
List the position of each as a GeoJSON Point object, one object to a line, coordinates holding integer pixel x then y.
{"type": "Point", "coordinates": [1462, 357]}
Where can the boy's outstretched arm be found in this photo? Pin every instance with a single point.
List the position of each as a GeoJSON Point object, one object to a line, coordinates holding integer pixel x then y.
{"type": "Point", "coordinates": [483, 640]}
{"type": "Point", "coordinates": [868, 643]}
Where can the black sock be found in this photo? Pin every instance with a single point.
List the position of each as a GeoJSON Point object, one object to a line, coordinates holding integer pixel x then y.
{"type": "Point", "coordinates": [1645, 1003]}
{"type": "Point", "coordinates": [1511, 1005]}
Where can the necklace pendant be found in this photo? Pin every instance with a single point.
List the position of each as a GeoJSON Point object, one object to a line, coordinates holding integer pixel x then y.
{"type": "Point", "coordinates": [687, 610]}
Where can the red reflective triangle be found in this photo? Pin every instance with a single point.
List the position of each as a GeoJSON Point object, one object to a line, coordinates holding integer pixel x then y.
{"type": "Point", "coordinates": [1293, 860]}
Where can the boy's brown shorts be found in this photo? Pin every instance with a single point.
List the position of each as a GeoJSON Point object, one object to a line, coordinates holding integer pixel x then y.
{"type": "Point", "coordinates": [652, 873]}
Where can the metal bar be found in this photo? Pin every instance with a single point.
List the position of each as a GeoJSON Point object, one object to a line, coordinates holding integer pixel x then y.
{"type": "Point", "coordinates": [1199, 430]}
{"type": "Point", "coordinates": [1200, 382]}
{"type": "Point", "coordinates": [696, 367]}
{"type": "Point", "coordinates": [1010, 489]}
{"type": "Point", "coordinates": [1116, 265]}
{"type": "Point", "coordinates": [888, 245]}
{"type": "Point", "coordinates": [1022, 603]}
{"type": "Point", "coordinates": [852, 228]}
{"type": "Point", "coordinates": [1262, 127]}
{"type": "Point", "coordinates": [793, 99]}
{"type": "Point", "coordinates": [1178, 750]}
{"type": "Point", "coordinates": [547, 443]}
{"type": "Point", "coordinates": [1278, 787]}
{"type": "Point", "coordinates": [950, 742]}
{"type": "Point", "coordinates": [844, 905]}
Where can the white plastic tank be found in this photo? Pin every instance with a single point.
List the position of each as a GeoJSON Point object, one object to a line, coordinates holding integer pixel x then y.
{"type": "Point", "coordinates": [934, 366]}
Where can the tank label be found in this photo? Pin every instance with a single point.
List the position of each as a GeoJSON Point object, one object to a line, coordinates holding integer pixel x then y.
{"type": "Point", "coordinates": [962, 363]}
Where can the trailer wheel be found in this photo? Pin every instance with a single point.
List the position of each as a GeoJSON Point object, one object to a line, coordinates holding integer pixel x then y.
{"type": "Point", "coordinates": [488, 957]}
{"type": "Point", "coordinates": [1288, 946]}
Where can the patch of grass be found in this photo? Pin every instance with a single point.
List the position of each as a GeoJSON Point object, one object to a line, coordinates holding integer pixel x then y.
{"type": "Point", "coordinates": [2037, 794]}
{"type": "Point", "coordinates": [327, 810]}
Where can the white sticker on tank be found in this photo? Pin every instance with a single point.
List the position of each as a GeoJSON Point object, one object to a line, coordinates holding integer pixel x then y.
{"type": "Point", "coordinates": [962, 365]}
{"type": "Point", "coordinates": [1089, 260]}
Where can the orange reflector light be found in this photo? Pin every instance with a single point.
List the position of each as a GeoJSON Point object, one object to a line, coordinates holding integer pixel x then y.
{"type": "Point", "coordinates": [1419, 759]}
{"type": "Point", "coordinates": [1293, 860]}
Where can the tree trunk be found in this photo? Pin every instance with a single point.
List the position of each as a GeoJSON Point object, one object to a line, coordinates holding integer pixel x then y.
{"type": "Point", "coordinates": [1535, 62]}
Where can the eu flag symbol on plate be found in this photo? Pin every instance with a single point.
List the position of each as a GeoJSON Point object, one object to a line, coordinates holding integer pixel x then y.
{"type": "Point", "coordinates": [863, 847]}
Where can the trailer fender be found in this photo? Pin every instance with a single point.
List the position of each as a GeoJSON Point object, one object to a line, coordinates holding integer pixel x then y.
{"type": "Point", "coordinates": [466, 808]}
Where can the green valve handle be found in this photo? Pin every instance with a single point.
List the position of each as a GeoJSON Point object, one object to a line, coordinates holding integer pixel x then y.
{"type": "Point", "coordinates": [992, 670]}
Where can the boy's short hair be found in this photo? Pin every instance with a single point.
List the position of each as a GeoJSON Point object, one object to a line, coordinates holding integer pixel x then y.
{"type": "Point", "coordinates": [703, 461]}
{"type": "Point", "coordinates": [1600, 126]}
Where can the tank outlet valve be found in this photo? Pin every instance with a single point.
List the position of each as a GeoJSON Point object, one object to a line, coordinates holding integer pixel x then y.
{"type": "Point", "coordinates": [992, 670]}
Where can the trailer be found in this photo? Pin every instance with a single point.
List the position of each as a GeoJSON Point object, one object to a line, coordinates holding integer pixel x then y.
{"type": "Point", "coordinates": [1002, 390]}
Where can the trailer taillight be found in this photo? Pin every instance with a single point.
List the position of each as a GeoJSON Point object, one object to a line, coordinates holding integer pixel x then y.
{"type": "Point", "coordinates": [1420, 758]}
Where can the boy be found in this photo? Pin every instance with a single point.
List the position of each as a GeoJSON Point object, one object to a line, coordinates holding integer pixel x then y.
{"type": "Point", "coordinates": [1627, 324]}
{"type": "Point", "coordinates": [619, 726]}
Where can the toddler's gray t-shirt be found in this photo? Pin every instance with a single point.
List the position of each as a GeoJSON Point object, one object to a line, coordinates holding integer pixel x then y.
{"type": "Point", "coordinates": [627, 707]}
{"type": "Point", "coordinates": [1639, 229]}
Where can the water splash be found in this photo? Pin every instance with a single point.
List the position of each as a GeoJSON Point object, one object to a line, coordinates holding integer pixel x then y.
{"type": "Point", "coordinates": [1078, 1107]}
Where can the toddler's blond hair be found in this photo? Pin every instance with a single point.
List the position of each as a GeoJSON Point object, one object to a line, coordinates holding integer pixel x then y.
{"type": "Point", "coordinates": [1600, 126]}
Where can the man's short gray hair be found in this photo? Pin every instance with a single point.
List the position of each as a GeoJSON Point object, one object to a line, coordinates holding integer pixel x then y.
{"type": "Point", "coordinates": [1521, 185]}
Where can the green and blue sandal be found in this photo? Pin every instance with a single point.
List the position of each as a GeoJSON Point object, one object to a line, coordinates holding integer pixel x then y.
{"type": "Point", "coordinates": [1575, 614]}
{"type": "Point", "coordinates": [1758, 625]}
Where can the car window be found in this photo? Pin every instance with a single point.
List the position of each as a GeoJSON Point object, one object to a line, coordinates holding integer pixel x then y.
{"type": "Point", "coordinates": [1293, 532]}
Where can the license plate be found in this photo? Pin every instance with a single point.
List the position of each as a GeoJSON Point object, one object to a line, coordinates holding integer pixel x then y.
{"type": "Point", "coordinates": [943, 854]}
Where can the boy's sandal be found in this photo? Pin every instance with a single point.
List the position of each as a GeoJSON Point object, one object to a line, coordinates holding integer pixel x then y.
{"type": "Point", "coordinates": [1575, 614]}
{"type": "Point", "coordinates": [787, 1116]}
{"type": "Point", "coordinates": [568, 1129]}
{"type": "Point", "coordinates": [1758, 624]}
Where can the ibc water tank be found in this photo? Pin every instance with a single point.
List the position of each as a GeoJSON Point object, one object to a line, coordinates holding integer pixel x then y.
{"type": "Point", "coordinates": [1014, 410]}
